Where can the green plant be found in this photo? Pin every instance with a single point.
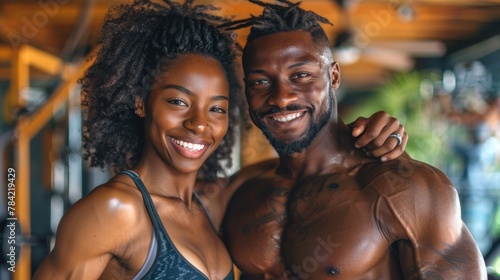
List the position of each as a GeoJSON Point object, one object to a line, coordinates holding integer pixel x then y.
{"type": "Point", "coordinates": [405, 98]}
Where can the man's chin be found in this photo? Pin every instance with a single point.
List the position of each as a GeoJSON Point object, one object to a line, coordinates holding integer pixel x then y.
{"type": "Point", "coordinates": [287, 144]}
{"type": "Point", "coordinates": [287, 148]}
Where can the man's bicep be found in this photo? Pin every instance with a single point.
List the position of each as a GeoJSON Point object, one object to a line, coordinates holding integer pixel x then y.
{"type": "Point", "coordinates": [446, 248]}
{"type": "Point", "coordinates": [439, 244]}
{"type": "Point", "coordinates": [442, 259]}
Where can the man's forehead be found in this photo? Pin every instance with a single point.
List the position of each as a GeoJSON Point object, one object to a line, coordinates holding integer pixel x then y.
{"type": "Point", "coordinates": [281, 40]}
{"type": "Point", "coordinates": [292, 44]}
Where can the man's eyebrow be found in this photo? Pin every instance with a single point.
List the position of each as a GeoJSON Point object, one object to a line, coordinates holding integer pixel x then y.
{"type": "Point", "coordinates": [298, 64]}
{"type": "Point", "coordinates": [256, 71]}
{"type": "Point", "coordinates": [188, 92]}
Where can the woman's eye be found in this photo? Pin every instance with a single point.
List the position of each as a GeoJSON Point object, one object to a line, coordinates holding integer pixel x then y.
{"type": "Point", "coordinates": [219, 110]}
{"type": "Point", "coordinates": [177, 102]}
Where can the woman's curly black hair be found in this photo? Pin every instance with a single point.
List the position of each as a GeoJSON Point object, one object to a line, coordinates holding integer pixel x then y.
{"type": "Point", "coordinates": [282, 16]}
{"type": "Point", "coordinates": [135, 41]}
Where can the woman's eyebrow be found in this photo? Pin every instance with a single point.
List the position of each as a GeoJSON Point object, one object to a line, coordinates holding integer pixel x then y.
{"type": "Point", "coordinates": [188, 92]}
{"type": "Point", "coordinates": [179, 88]}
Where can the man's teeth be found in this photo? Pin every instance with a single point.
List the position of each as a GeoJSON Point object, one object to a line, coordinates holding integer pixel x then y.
{"type": "Point", "coordinates": [189, 146]}
{"type": "Point", "coordinates": [288, 118]}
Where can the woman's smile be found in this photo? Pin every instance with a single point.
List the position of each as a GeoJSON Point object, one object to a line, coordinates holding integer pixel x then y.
{"type": "Point", "coordinates": [190, 149]}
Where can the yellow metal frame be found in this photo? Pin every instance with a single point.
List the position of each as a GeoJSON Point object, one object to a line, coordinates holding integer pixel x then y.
{"type": "Point", "coordinates": [28, 126]}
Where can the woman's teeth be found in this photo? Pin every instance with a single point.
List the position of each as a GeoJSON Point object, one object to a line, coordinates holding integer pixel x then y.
{"type": "Point", "coordinates": [189, 146]}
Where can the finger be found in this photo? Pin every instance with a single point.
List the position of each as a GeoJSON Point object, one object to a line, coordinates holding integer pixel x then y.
{"type": "Point", "coordinates": [377, 137]}
{"type": "Point", "coordinates": [398, 151]}
{"type": "Point", "coordinates": [372, 128]}
{"type": "Point", "coordinates": [358, 126]}
{"type": "Point", "coordinates": [390, 143]}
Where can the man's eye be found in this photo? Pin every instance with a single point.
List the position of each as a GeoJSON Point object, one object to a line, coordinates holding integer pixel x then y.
{"type": "Point", "coordinates": [178, 102]}
{"type": "Point", "coordinates": [219, 110]}
{"type": "Point", "coordinates": [300, 75]}
{"type": "Point", "coordinates": [261, 83]}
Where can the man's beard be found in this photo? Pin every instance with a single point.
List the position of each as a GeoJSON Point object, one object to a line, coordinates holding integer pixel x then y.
{"type": "Point", "coordinates": [287, 148]}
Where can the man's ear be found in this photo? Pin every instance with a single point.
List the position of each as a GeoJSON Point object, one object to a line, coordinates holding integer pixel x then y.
{"type": "Point", "coordinates": [139, 107]}
{"type": "Point", "coordinates": [335, 75]}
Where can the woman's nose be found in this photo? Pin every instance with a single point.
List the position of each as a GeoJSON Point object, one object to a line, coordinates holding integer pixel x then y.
{"type": "Point", "coordinates": [196, 122]}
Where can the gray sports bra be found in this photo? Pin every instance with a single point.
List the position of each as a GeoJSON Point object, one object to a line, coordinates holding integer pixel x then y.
{"type": "Point", "coordinates": [164, 261]}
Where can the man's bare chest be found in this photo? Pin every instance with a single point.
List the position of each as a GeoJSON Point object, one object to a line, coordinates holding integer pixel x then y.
{"type": "Point", "coordinates": [332, 227]}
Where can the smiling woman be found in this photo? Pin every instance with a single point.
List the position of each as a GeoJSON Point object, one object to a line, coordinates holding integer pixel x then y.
{"type": "Point", "coordinates": [186, 113]}
{"type": "Point", "coordinates": [158, 101]}
{"type": "Point", "coordinates": [112, 134]}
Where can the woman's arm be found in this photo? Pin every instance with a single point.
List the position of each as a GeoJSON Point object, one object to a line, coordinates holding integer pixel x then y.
{"type": "Point", "coordinates": [87, 236]}
{"type": "Point", "coordinates": [374, 135]}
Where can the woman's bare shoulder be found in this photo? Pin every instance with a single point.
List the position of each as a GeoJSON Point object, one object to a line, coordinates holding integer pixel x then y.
{"type": "Point", "coordinates": [116, 202]}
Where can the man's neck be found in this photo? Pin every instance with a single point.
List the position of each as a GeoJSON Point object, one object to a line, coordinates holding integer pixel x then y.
{"type": "Point", "coordinates": [332, 148]}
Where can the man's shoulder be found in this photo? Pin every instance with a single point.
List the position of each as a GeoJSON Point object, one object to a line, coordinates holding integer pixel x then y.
{"type": "Point", "coordinates": [404, 175]}
{"type": "Point", "coordinates": [261, 166]}
{"type": "Point", "coordinates": [255, 171]}
{"type": "Point", "coordinates": [413, 193]}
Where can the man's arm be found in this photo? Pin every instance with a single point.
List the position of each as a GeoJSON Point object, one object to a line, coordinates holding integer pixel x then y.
{"type": "Point", "coordinates": [86, 237]}
{"type": "Point", "coordinates": [433, 241]}
{"type": "Point", "coordinates": [443, 258]}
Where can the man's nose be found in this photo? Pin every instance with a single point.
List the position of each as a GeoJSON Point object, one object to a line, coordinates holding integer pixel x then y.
{"type": "Point", "coordinates": [282, 95]}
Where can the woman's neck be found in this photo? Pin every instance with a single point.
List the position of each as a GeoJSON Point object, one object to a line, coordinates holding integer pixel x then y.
{"type": "Point", "coordinates": [162, 180]}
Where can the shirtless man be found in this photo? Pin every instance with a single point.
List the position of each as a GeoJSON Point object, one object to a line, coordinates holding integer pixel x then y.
{"type": "Point", "coordinates": [325, 209]}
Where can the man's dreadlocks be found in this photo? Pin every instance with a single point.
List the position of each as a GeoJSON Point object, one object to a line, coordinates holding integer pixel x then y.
{"type": "Point", "coordinates": [137, 42]}
{"type": "Point", "coordinates": [283, 16]}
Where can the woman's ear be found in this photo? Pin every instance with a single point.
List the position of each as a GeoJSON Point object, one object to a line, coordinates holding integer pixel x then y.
{"type": "Point", "coordinates": [335, 75]}
{"type": "Point", "coordinates": [139, 107]}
